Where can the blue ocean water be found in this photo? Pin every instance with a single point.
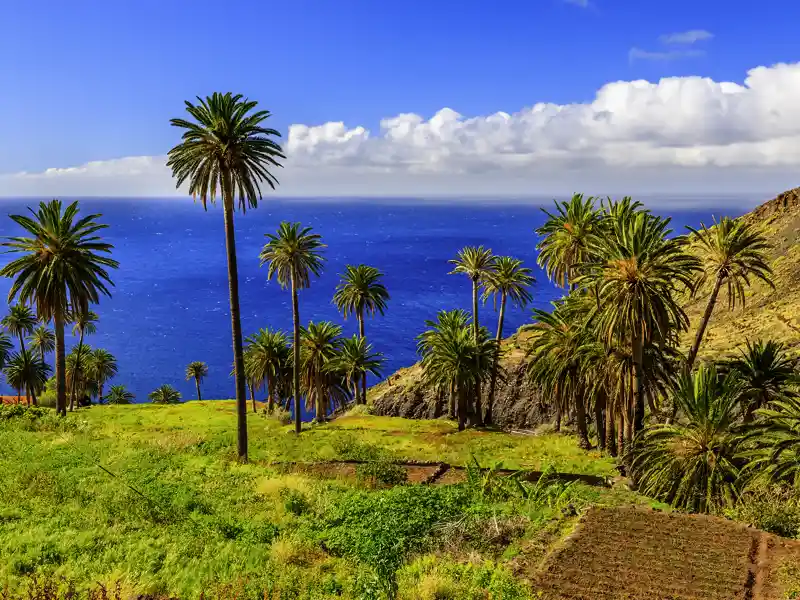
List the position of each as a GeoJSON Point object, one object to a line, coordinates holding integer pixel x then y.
{"type": "Point", "coordinates": [170, 302]}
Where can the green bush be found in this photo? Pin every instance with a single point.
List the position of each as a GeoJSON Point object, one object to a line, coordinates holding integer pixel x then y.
{"type": "Point", "coordinates": [381, 472]}
{"type": "Point", "coordinates": [294, 501]}
{"type": "Point", "coordinates": [772, 509]}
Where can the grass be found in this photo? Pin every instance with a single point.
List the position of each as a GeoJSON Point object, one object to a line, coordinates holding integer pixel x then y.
{"type": "Point", "coordinates": [153, 498]}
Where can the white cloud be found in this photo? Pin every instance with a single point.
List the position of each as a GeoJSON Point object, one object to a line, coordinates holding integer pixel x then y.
{"type": "Point", "coordinates": [686, 37]}
{"type": "Point", "coordinates": [677, 134]}
{"type": "Point", "coordinates": [581, 3]}
{"type": "Point", "coordinates": [635, 54]}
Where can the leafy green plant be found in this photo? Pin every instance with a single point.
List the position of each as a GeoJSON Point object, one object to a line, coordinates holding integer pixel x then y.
{"type": "Point", "coordinates": [381, 471]}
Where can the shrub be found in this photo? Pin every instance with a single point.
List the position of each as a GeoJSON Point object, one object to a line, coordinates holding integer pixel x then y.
{"type": "Point", "coordinates": [294, 501]}
{"type": "Point", "coordinates": [380, 472]}
{"type": "Point", "coordinates": [772, 509]}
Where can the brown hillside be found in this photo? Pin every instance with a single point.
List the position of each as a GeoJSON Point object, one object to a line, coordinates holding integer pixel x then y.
{"type": "Point", "coordinates": [767, 314]}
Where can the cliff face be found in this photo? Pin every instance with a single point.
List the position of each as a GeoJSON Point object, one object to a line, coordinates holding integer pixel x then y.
{"type": "Point", "coordinates": [767, 314]}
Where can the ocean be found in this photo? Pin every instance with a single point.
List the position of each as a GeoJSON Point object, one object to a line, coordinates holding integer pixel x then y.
{"type": "Point", "coordinates": [170, 302]}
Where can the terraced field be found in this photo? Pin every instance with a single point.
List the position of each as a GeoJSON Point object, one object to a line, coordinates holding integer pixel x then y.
{"type": "Point", "coordinates": [636, 554]}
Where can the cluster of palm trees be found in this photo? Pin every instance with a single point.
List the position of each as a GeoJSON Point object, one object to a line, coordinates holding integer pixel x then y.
{"type": "Point", "coordinates": [26, 370]}
{"type": "Point", "coordinates": [458, 354]}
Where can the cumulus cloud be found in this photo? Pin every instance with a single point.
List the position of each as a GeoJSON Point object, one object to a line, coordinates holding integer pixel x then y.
{"type": "Point", "coordinates": [686, 37]}
{"type": "Point", "coordinates": [679, 134]}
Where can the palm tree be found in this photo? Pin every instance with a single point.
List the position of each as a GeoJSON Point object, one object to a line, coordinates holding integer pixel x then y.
{"type": "Point", "coordinates": [568, 237]}
{"type": "Point", "coordinates": [448, 323]}
{"type": "Point", "coordinates": [693, 465]}
{"type": "Point", "coordinates": [82, 324]}
{"type": "Point", "coordinates": [26, 371]}
{"type": "Point", "coordinates": [733, 251]}
{"type": "Point", "coordinates": [119, 395]}
{"type": "Point", "coordinates": [63, 268]}
{"type": "Point", "coordinates": [638, 274]}
{"type": "Point", "coordinates": [267, 355]}
{"type": "Point", "coordinates": [102, 367]}
{"type": "Point", "coordinates": [78, 366]}
{"type": "Point", "coordinates": [508, 280]}
{"type": "Point", "coordinates": [319, 346]}
{"type": "Point", "coordinates": [767, 371]}
{"type": "Point", "coordinates": [355, 360]}
{"type": "Point", "coordinates": [226, 147]}
{"type": "Point", "coordinates": [20, 322]}
{"type": "Point", "coordinates": [197, 370]}
{"type": "Point", "coordinates": [165, 394]}
{"type": "Point", "coordinates": [455, 361]}
{"type": "Point", "coordinates": [773, 443]}
{"type": "Point", "coordinates": [361, 292]}
{"type": "Point", "coordinates": [43, 340]}
{"type": "Point", "coordinates": [477, 264]}
{"type": "Point", "coordinates": [293, 254]}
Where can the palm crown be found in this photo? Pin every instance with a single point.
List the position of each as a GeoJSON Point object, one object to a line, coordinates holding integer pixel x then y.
{"type": "Point", "coordinates": [119, 395]}
{"type": "Point", "coordinates": [293, 254]}
{"type": "Point", "coordinates": [165, 394]}
{"type": "Point", "coordinates": [510, 279]}
{"type": "Point", "coordinates": [360, 291]}
{"type": "Point", "coordinates": [19, 322]}
{"type": "Point", "coordinates": [225, 149]}
{"type": "Point", "coordinates": [43, 339]}
{"type": "Point", "coordinates": [84, 323]}
{"type": "Point", "coordinates": [196, 370]}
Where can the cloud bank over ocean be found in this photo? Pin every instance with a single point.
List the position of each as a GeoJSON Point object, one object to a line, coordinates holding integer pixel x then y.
{"type": "Point", "coordinates": [677, 135]}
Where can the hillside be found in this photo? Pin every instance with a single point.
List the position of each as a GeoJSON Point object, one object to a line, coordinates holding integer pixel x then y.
{"type": "Point", "coordinates": [767, 314]}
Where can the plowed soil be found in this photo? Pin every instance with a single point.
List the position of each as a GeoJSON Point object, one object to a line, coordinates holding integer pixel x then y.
{"type": "Point", "coordinates": [638, 554]}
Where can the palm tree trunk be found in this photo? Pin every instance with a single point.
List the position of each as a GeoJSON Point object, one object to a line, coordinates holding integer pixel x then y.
{"type": "Point", "coordinates": [621, 420]}
{"type": "Point", "coordinates": [76, 374]}
{"type": "Point", "coordinates": [61, 375]}
{"type": "Point", "coordinates": [712, 300]}
{"type": "Point", "coordinates": [496, 361]}
{"type": "Point", "coordinates": [296, 366]}
{"type": "Point", "coordinates": [22, 349]}
{"type": "Point", "coordinates": [611, 443]}
{"type": "Point", "coordinates": [270, 396]}
{"type": "Point", "coordinates": [476, 328]}
{"type": "Point", "coordinates": [253, 397]}
{"type": "Point", "coordinates": [638, 382]}
{"type": "Point", "coordinates": [452, 401]}
{"type": "Point", "coordinates": [197, 385]}
{"type": "Point", "coordinates": [462, 408]}
{"type": "Point", "coordinates": [321, 414]}
{"type": "Point", "coordinates": [598, 423]}
{"type": "Point", "coordinates": [236, 325]}
{"type": "Point", "coordinates": [580, 419]}
{"type": "Point", "coordinates": [100, 392]}
{"type": "Point", "coordinates": [557, 427]}
{"type": "Point", "coordinates": [33, 395]}
{"type": "Point", "coordinates": [360, 317]}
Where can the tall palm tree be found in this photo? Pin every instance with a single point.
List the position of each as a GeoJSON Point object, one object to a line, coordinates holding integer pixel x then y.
{"type": "Point", "coordinates": [24, 370]}
{"type": "Point", "coordinates": [64, 266]}
{"type": "Point", "coordinates": [476, 263]}
{"type": "Point", "coordinates": [638, 275]}
{"type": "Point", "coordinates": [268, 354]}
{"type": "Point", "coordinates": [43, 340]}
{"type": "Point", "coordinates": [293, 254]}
{"type": "Point", "coordinates": [455, 361]}
{"type": "Point", "coordinates": [118, 394]}
{"type": "Point", "coordinates": [568, 236]}
{"type": "Point", "coordinates": [508, 280]}
{"type": "Point", "coordinates": [319, 346]}
{"type": "Point", "coordinates": [767, 371]}
{"type": "Point", "coordinates": [448, 324]}
{"type": "Point", "coordinates": [362, 293]}
{"type": "Point", "coordinates": [198, 371]}
{"type": "Point", "coordinates": [20, 322]}
{"type": "Point", "coordinates": [101, 368]}
{"type": "Point", "coordinates": [165, 394]}
{"type": "Point", "coordinates": [78, 371]}
{"type": "Point", "coordinates": [733, 252]}
{"type": "Point", "coordinates": [693, 465]}
{"type": "Point", "coordinates": [83, 323]}
{"type": "Point", "coordinates": [226, 148]}
{"type": "Point", "coordinates": [355, 360]}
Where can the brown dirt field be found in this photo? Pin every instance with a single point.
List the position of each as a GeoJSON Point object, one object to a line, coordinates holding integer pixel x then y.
{"type": "Point", "coordinates": [639, 554]}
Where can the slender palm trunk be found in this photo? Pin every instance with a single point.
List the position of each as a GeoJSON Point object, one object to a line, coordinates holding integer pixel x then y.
{"type": "Point", "coordinates": [712, 300]}
{"type": "Point", "coordinates": [621, 432]}
{"type": "Point", "coordinates": [33, 395]}
{"type": "Point", "coordinates": [253, 397]}
{"type": "Point", "coordinates": [496, 361]}
{"type": "Point", "coordinates": [356, 391]}
{"type": "Point", "coordinates": [61, 375]}
{"type": "Point", "coordinates": [22, 349]}
{"type": "Point", "coordinates": [638, 382]}
{"type": "Point", "coordinates": [197, 385]}
{"type": "Point", "coordinates": [611, 443]}
{"type": "Point", "coordinates": [236, 324]}
{"type": "Point", "coordinates": [76, 374]}
{"type": "Point", "coordinates": [364, 375]}
{"type": "Point", "coordinates": [557, 427]}
{"type": "Point", "coordinates": [476, 328]}
{"type": "Point", "coordinates": [580, 421]}
{"type": "Point", "coordinates": [321, 412]}
{"type": "Point", "coordinates": [100, 385]}
{"type": "Point", "coordinates": [452, 401]}
{"type": "Point", "coordinates": [296, 349]}
{"type": "Point", "coordinates": [270, 396]}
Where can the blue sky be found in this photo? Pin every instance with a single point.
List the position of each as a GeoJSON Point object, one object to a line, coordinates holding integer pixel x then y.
{"type": "Point", "coordinates": [98, 80]}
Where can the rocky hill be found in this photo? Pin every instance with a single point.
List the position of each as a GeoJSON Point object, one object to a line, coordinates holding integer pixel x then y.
{"type": "Point", "coordinates": [767, 314]}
